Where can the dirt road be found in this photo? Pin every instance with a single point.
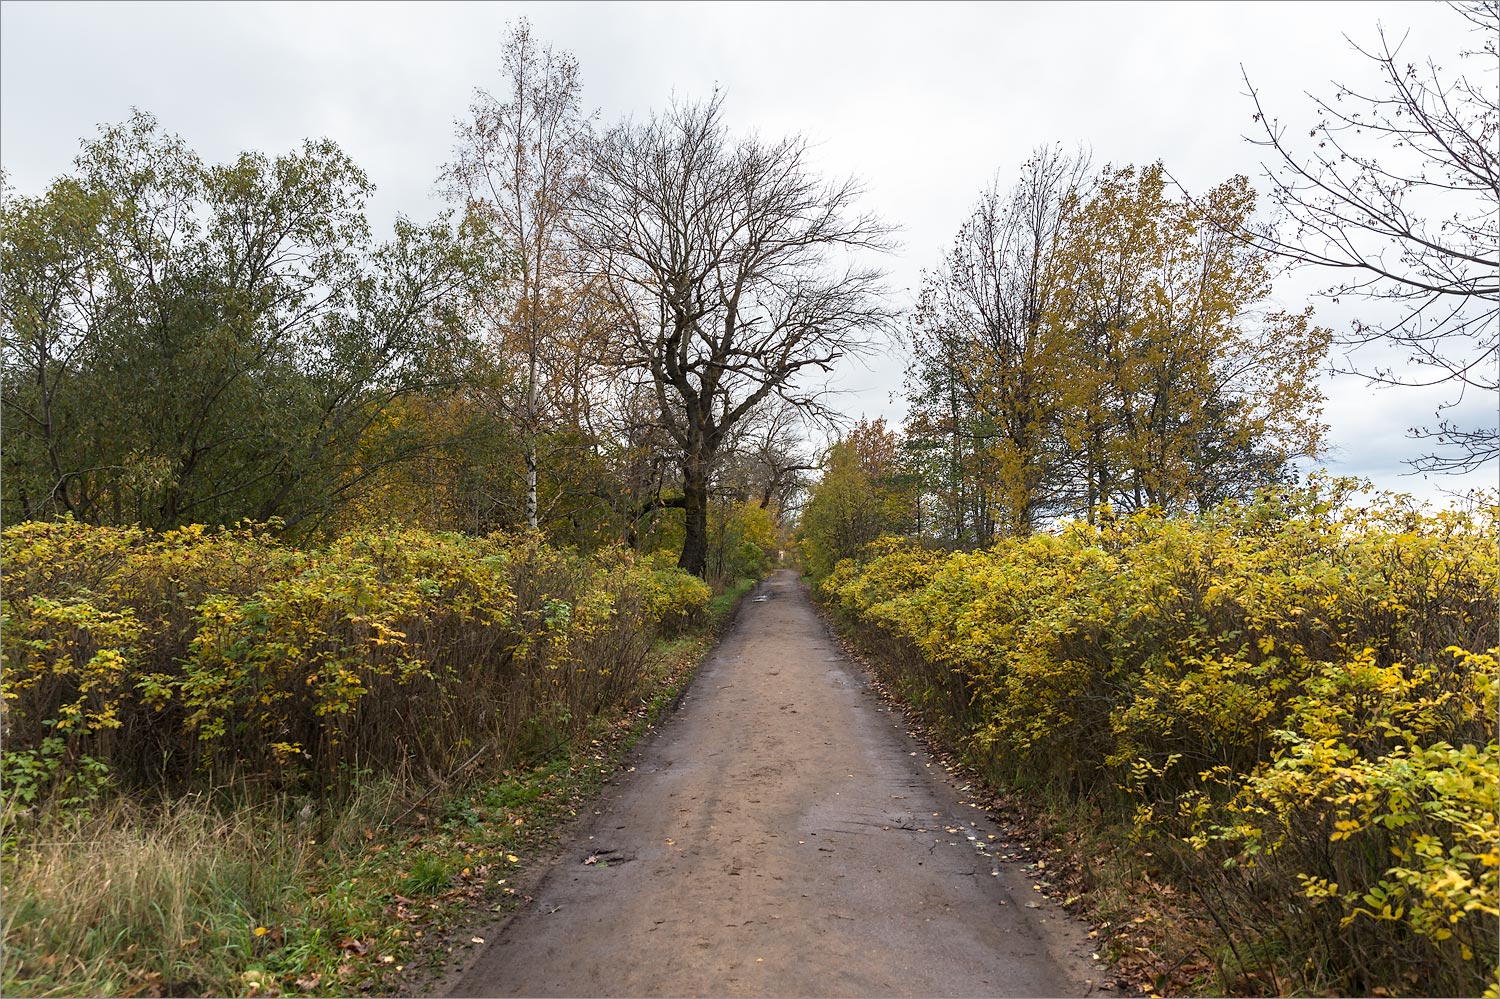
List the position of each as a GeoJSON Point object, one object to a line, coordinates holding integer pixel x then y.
{"type": "Point", "coordinates": [783, 836]}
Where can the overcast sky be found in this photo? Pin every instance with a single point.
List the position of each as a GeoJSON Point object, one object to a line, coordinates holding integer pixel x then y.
{"type": "Point", "coordinates": [925, 103]}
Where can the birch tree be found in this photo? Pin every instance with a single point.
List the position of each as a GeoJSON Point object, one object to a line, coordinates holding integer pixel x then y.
{"type": "Point", "coordinates": [519, 165]}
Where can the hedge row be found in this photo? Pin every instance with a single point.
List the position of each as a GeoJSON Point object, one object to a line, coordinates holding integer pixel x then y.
{"type": "Point", "coordinates": [201, 659]}
{"type": "Point", "coordinates": [1298, 693]}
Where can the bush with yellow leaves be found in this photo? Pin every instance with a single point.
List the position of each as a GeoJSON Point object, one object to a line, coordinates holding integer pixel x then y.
{"type": "Point", "coordinates": [1298, 692]}
{"type": "Point", "coordinates": [676, 600]}
{"type": "Point", "coordinates": [200, 658]}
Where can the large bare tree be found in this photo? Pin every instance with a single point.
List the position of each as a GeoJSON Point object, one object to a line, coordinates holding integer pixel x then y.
{"type": "Point", "coordinates": [1398, 191]}
{"type": "Point", "coordinates": [731, 264]}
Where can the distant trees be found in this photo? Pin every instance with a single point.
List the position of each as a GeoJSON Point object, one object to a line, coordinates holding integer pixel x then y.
{"type": "Point", "coordinates": [185, 342]}
{"type": "Point", "coordinates": [1090, 340]}
{"type": "Point", "coordinates": [1398, 192]}
{"type": "Point", "coordinates": [865, 492]}
{"type": "Point", "coordinates": [619, 325]}
{"type": "Point", "coordinates": [616, 327]}
{"type": "Point", "coordinates": [721, 257]}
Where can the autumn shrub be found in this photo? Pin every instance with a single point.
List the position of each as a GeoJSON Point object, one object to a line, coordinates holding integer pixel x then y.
{"type": "Point", "coordinates": [1366, 847]}
{"type": "Point", "coordinates": [1293, 698]}
{"type": "Point", "coordinates": [676, 600]}
{"type": "Point", "coordinates": [200, 658]}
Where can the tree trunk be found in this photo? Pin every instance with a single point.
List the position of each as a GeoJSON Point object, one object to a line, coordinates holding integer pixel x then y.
{"type": "Point", "coordinates": [694, 556]}
{"type": "Point", "coordinates": [532, 407]}
{"type": "Point", "coordinates": [531, 504]}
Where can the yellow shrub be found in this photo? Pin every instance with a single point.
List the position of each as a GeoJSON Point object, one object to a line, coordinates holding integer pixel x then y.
{"type": "Point", "coordinates": [1297, 687]}
{"type": "Point", "coordinates": [218, 655]}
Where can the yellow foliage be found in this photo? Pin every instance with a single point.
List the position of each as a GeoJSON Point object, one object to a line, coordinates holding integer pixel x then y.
{"type": "Point", "coordinates": [1326, 669]}
{"type": "Point", "coordinates": [199, 653]}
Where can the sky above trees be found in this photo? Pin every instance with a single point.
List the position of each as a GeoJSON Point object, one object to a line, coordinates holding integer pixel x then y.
{"type": "Point", "coordinates": [924, 104]}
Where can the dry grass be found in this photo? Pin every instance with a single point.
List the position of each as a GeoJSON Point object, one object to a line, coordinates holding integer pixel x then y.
{"type": "Point", "coordinates": [132, 901]}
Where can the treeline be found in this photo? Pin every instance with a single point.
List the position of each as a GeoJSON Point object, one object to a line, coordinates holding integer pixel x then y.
{"type": "Point", "coordinates": [1283, 710]}
{"type": "Point", "coordinates": [605, 338]}
{"type": "Point", "coordinates": [611, 334]}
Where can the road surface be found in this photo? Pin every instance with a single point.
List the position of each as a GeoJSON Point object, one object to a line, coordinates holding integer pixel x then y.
{"type": "Point", "coordinates": [783, 836]}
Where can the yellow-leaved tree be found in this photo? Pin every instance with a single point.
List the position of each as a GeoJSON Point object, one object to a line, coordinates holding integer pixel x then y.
{"type": "Point", "coordinates": [1179, 388]}
{"type": "Point", "coordinates": [864, 493]}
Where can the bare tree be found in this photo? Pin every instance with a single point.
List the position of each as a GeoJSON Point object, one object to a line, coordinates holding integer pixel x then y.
{"type": "Point", "coordinates": [981, 336]}
{"type": "Point", "coordinates": [518, 165]}
{"type": "Point", "coordinates": [1399, 191]}
{"type": "Point", "coordinates": [639, 453]}
{"type": "Point", "coordinates": [777, 459]}
{"type": "Point", "coordinates": [765, 458]}
{"type": "Point", "coordinates": [721, 254]}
